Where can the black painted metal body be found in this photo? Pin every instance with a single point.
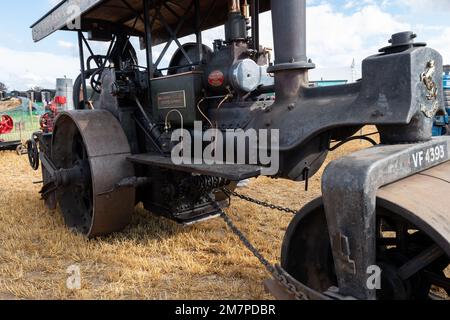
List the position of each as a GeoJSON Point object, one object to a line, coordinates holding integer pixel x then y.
{"type": "Point", "coordinates": [350, 186]}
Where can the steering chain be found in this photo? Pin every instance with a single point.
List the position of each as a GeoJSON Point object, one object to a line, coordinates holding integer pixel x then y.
{"type": "Point", "coordinates": [273, 270]}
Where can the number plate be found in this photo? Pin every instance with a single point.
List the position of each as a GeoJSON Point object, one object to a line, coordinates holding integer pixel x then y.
{"type": "Point", "coordinates": [429, 156]}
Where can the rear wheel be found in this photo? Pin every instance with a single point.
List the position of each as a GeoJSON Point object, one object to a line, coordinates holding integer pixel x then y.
{"type": "Point", "coordinates": [307, 256]}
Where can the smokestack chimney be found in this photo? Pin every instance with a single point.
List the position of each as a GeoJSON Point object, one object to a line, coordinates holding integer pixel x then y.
{"type": "Point", "coordinates": [289, 33]}
{"type": "Point", "coordinates": [236, 26]}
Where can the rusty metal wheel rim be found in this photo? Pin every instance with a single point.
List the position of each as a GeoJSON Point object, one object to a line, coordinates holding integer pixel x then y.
{"type": "Point", "coordinates": [75, 200]}
{"type": "Point", "coordinates": [91, 205]}
{"type": "Point", "coordinates": [307, 256]}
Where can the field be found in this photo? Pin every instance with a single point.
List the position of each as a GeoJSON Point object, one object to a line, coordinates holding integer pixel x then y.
{"type": "Point", "coordinates": [153, 259]}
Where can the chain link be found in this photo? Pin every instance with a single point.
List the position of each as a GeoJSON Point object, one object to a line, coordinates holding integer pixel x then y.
{"type": "Point", "coordinates": [273, 270]}
{"type": "Point", "coordinates": [259, 202]}
{"type": "Point", "coordinates": [269, 267]}
{"type": "Point", "coordinates": [290, 287]}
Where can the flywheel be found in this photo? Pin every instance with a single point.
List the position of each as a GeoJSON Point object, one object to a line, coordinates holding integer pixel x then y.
{"type": "Point", "coordinates": [92, 146]}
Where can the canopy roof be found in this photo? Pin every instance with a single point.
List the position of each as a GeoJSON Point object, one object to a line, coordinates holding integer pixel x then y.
{"type": "Point", "coordinates": [127, 16]}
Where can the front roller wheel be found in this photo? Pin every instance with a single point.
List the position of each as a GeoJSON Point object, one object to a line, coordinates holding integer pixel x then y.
{"type": "Point", "coordinates": [307, 256]}
{"type": "Point", "coordinates": [93, 145]}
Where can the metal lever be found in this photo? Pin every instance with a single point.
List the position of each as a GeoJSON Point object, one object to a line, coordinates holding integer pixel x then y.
{"type": "Point", "coordinates": [130, 182]}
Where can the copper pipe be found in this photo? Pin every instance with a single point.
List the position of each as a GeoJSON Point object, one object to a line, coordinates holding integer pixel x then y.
{"type": "Point", "coordinates": [235, 6]}
{"type": "Point", "coordinates": [246, 10]}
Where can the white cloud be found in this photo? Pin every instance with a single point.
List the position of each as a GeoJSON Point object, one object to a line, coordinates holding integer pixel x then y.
{"type": "Point", "coordinates": [441, 42]}
{"type": "Point", "coordinates": [335, 37]}
{"type": "Point", "coordinates": [21, 70]}
{"type": "Point", "coordinates": [420, 5]}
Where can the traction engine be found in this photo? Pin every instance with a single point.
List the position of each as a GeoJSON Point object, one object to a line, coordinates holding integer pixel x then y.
{"type": "Point", "coordinates": [381, 207]}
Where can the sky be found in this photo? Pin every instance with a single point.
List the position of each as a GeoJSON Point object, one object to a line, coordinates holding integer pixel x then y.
{"type": "Point", "coordinates": [339, 32]}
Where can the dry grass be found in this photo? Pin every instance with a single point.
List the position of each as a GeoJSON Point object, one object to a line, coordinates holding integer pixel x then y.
{"type": "Point", "coordinates": [153, 259]}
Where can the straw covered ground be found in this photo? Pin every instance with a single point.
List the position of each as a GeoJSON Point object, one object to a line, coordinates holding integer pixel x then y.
{"type": "Point", "coordinates": [153, 259]}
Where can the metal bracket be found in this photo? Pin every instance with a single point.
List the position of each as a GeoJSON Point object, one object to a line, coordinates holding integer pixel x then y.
{"type": "Point", "coordinates": [430, 113]}
{"type": "Point", "coordinates": [432, 91]}
{"type": "Point", "coordinates": [350, 187]}
{"type": "Point", "coordinates": [427, 78]}
{"type": "Point", "coordinates": [344, 251]}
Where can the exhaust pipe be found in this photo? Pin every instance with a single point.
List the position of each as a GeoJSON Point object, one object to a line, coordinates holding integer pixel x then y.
{"type": "Point", "coordinates": [235, 6]}
{"type": "Point", "coordinates": [236, 26]}
{"type": "Point", "coordinates": [291, 63]}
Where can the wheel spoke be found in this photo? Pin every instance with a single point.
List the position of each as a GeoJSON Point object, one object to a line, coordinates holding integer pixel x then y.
{"type": "Point", "coordinates": [402, 235]}
{"type": "Point", "coordinates": [420, 262]}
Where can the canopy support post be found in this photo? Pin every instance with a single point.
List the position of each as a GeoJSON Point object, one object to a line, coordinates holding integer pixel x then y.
{"type": "Point", "coordinates": [83, 69]}
{"type": "Point", "coordinates": [198, 31]}
{"type": "Point", "coordinates": [148, 45]}
{"type": "Point", "coordinates": [255, 24]}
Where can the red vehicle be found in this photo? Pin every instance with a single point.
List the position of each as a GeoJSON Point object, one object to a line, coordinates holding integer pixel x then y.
{"type": "Point", "coordinates": [6, 124]}
{"type": "Point", "coordinates": [47, 122]}
{"type": "Point", "coordinates": [48, 119]}
{"type": "Point", "coordinates": [6, 127]}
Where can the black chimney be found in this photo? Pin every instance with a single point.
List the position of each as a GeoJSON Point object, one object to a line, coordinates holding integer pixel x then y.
{"type": "Point", "coordinates": [289, 33]}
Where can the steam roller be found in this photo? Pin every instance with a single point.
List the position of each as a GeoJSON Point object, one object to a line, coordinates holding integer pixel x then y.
{"type": "Point", "coordinates": [380, 230]}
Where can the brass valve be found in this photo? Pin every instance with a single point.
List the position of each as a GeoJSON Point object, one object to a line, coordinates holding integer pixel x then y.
{"type": "Point", "coordinates": [235, 6]}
